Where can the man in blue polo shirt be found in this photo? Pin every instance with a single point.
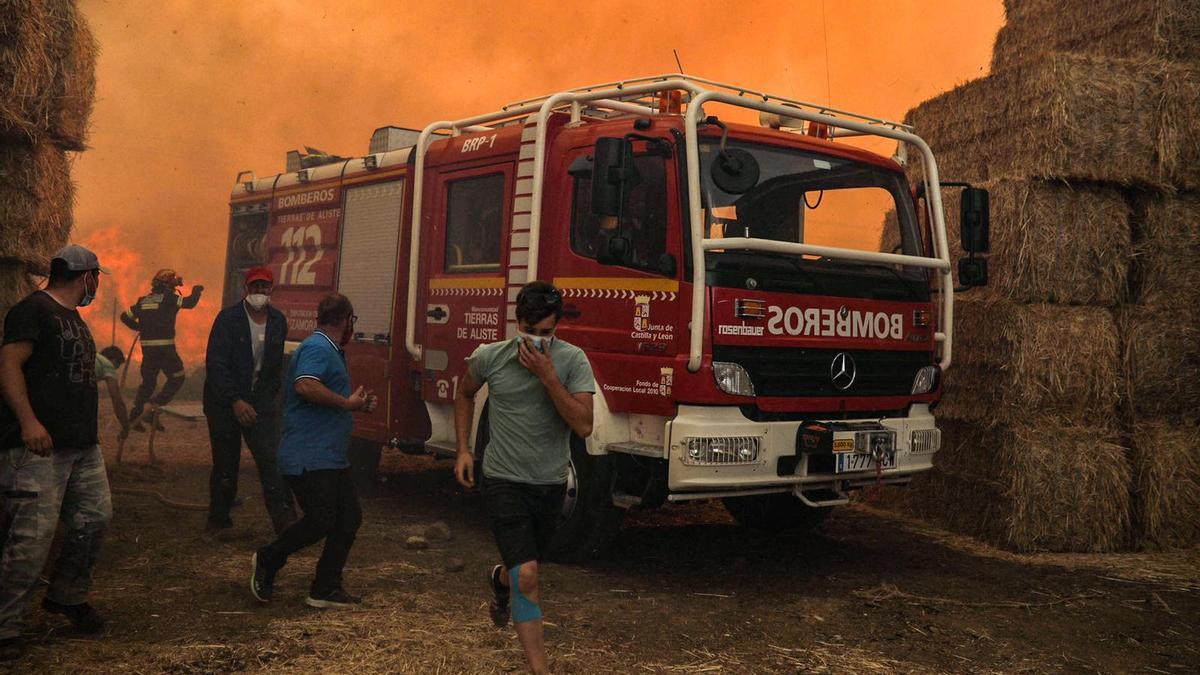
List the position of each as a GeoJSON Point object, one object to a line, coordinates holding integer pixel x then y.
{"type": "Point", "coordinates": [312, 458]}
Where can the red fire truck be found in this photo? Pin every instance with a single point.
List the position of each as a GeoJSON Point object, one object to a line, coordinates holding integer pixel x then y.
{"type": "Point", "coordinates": [742, 350]}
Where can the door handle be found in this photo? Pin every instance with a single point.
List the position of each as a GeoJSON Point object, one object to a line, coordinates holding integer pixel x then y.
{"type": "Point", "coordinates": [571, 312]}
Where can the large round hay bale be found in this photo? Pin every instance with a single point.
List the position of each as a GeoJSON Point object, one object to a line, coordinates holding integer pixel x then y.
{"type": "Point", "coordinates": [1164, 29]}
{"type": "Point", "coordinates": [27, 69]}
{"type": "Point", "coordinates": [1166, 480]}
{"type": "Point", "coordinates": [36, 197]}
{"type": "Point", "coordinates": [1035, 485]}
{"type": "Point", "coordinates": [1124, 121]}
{"type": "Point", "coordinates": [14, 285]}
{"type": "Point", "coordinates": [1012, 360]}
{"type": "Point", "coordinates": [74, 87]}
{"type": "Point", "coordinates": [1160, 360]}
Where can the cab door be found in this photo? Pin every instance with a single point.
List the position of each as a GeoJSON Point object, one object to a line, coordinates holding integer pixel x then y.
{"type": "Point", "coordinates": [466, 254]}
{"type": "Point", "coordinates": [624, 312]}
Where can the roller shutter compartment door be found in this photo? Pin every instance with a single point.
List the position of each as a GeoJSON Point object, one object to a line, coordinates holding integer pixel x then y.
{"type": "Point", "coordinates": [367, 265]}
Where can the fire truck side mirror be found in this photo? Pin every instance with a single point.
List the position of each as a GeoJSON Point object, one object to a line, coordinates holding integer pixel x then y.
{"type": "Point", "coordinates": [975, 220]}
{"type": "Point", "coordinates": [612, 170]}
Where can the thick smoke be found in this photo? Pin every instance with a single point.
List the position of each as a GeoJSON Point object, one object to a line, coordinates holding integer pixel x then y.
{"type": "Point", "coordinates": [191, 92]}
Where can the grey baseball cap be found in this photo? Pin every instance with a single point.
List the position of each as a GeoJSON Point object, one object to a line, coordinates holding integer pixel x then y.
{"type": "Point", "coordinates": [78, 258]}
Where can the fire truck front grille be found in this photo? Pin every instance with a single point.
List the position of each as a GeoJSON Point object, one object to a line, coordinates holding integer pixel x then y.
{"type": "Point", "coordinates": [806, 372]}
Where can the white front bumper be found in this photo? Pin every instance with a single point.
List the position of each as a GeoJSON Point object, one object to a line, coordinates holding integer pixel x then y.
{"type": "Point", "coordinates": [777, 440]}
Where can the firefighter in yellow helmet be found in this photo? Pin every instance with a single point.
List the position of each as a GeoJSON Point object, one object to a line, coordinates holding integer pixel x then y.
{"type": "Point", "coordinates": [153, 316]}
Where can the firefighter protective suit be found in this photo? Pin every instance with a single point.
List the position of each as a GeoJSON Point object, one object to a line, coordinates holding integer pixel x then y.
{"type": "Point", "coordinates": [153, 316]}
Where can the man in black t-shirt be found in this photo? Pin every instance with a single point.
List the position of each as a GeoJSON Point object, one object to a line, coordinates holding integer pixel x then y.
{"type": "Point", "coordinates": [51, 467]}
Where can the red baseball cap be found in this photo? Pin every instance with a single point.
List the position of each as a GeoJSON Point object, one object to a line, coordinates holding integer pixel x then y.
{"type": "Point", "coordinates": [259, 274]}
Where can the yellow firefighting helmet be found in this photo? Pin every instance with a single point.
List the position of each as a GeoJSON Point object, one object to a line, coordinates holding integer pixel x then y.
{"type": "Point", "coordinates": [167, 278]}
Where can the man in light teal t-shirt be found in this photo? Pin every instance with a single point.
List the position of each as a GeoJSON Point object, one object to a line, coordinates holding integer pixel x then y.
{"type": "Point", "coordinates": [539, 393]}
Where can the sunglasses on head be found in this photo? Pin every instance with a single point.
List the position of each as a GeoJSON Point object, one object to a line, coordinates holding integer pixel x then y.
{"type": "Point", "coordinates": [547, 298]}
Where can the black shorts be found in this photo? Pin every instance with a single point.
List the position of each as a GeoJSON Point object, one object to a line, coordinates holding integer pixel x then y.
{"type": "Point", "coordinates": [523, 517]}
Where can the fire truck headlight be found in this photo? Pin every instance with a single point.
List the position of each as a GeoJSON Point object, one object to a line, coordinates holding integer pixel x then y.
{"type": "Point", "coordinates": [732, 379]}
{"type": "Point", "coordinates": [926, 379]}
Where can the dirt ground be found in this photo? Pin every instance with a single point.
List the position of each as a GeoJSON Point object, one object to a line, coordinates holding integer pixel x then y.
{"type": "Point", "coordinates": [686, 590]}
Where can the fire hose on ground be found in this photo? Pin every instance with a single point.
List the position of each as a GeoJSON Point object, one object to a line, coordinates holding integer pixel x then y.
{"type": "Point", "coordinates": [140, 492]}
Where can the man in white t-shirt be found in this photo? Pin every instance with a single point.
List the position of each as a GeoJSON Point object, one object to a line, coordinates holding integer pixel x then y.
{"type": "Point", "coordinates": [244, 364]}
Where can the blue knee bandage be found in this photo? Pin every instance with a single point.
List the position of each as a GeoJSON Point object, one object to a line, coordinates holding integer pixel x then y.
{"type": "Point", "coordinates": [523, 609]}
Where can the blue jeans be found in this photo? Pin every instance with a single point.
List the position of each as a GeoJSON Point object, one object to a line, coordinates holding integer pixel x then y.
{"type": "Point", "coordinates": [69, 485]}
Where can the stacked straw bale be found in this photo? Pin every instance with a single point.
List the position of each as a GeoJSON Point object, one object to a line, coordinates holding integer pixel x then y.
{"type": "Point", "coordinates": [1166, 470]}
{"type": "Point", "coordinates": [1163, 29]}
{"type": "Point", "coordinates": [1161, 361]}
{"type": "Point", "coordinates": [1068, 116]}
{"type": "Point", "coordinates": [1053, 242]}
{"type": "Point", "coordinates": [1010, 362]}
{"type": "Point", "coordinates": [47, 87]}
{"type": "Point", "coordinates": [1032, 485]}
{"type": "Point", "coordinates": [1070, 412]}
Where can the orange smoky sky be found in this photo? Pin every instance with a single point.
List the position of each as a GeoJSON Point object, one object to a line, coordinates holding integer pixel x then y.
{"type": "Point", "coordinates": [189, 92]}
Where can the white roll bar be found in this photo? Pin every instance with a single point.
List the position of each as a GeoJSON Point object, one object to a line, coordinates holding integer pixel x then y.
{"type": "Point", "coordinates": [615, 97]}
{"type": "Point", "coordinates": [941, 261]}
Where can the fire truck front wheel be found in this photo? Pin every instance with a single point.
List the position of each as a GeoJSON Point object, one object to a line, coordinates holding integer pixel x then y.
{"type": "Point", "coordinates": [590, 522]}
{"type": "Point", "coordinates": [775, 513]}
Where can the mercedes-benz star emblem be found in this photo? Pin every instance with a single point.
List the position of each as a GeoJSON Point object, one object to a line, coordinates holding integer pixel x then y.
{"type": "Point", "coordinates": [842, 371]}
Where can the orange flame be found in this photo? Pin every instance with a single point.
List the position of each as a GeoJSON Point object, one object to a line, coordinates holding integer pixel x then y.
{"type": "Point", "coordinates": [129, 279]}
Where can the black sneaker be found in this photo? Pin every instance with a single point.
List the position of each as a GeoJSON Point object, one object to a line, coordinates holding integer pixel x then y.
{"type": "Point", "coordinates": [335, 599]}
{"type": "Point", "coordinates": [498, 606]}
{"type": "Point", "coordinates": [262, 580]}
{"type": "Point", "coordinates": [11, 649]}
{"type": "Point", "coordinates": [83, 616]}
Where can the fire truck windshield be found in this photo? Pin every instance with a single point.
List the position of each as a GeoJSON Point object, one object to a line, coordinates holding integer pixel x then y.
{"type": "Point", "coordinates": [805, 197]}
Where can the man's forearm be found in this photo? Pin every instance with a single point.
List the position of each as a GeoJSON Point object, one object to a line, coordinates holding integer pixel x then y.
{"type": "Point", "coordinates": [577, 416]}
{"type": "Point", "coordinates": [315, 392]}
{"type": "Point", "coordinates": [464, 412]}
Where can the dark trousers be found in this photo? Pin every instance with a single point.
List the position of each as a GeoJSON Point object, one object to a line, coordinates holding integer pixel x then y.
{"type": "Point", "coordinates": [226, 436]}
{"type": "Point", "coordinates": [331, 512]}
{"type": "Point", "coordinates": [157, 360]}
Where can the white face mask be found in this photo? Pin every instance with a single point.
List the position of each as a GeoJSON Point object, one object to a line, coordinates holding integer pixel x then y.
{"type": "Point", "coordinates": [540, 343]}
{"type": "Point", "coordinates": [258, 301]}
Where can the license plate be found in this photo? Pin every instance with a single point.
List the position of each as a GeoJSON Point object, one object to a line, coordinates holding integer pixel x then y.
{"type": "Point", "coordinates": [848, 462]}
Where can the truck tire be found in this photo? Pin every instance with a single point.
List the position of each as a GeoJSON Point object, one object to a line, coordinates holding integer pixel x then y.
{"type": "Point", "coordinates": [364, 458]}
{"type": "Point", "coordinates": [775, 513]}
{"type": "Point", "coordinates": [590, 522]}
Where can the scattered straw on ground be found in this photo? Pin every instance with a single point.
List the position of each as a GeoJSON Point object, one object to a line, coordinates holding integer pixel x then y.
{"type": "Point", "coordinates": [1172, 570]}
